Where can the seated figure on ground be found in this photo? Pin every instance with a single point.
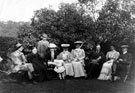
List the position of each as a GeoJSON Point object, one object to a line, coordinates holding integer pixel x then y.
{"type": "Point", "coordinates": [93, 67]}
{"type": "Point", "coordinates": [78, 56]}
{"type": "Point", "coordinates": [106, 72]}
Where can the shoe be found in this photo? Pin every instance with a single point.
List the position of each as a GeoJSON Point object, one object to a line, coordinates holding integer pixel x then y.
{"type": "Point", "coordinates": [34, 82]}
{"type": "Point", "coordinates": [86, 78]}
{"type": "Point", "coordinates": [23, 83]}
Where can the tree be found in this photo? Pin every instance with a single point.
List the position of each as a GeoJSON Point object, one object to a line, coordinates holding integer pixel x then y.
{"type": "Point", "coordinates": [64, 26]}
{"type": "Point", "coordinates": [72, 22]}
{"type": "Point", "coordinates": [27, 35]}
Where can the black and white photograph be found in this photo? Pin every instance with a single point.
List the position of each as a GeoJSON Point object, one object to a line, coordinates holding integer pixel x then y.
{"type": "Point", "coordinates": [67, 46]}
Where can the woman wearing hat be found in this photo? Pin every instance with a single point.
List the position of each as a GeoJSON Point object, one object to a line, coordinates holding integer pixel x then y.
{"type": "Point", "coordinates": [78, 56]}
{"type": "Point", "coordinates": [19, 61]}
{"type": "Point", "coordinates": [111, 57]}
{"type": "Point", "coordinates": [65, 55]}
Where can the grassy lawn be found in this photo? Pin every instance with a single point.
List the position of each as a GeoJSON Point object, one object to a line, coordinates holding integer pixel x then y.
{"type": "Point", "coordinates": [70, 86]}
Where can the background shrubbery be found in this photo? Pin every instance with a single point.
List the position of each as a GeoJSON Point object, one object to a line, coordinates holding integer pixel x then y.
{"type": "Point", "coordinates": [113, 24]}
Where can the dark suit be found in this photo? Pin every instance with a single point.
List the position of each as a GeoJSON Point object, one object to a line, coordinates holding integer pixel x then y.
{"type": "Point", "coordinates": [123, 66]}
{"type": "Point", "coordinates": [93, 70]}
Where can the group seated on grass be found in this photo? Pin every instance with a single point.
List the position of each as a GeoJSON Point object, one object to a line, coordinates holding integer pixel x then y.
{"type": "Point", "coordinates": [45, 63]}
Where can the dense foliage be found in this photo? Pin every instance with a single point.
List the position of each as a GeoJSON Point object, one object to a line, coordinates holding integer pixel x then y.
{"type": "Point", "coordinates": [73, 22]}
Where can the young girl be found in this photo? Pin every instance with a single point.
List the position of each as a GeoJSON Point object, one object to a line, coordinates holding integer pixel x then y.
{"type": "Point", "coordinates": [59, 64]}
{"type": "Point", "coordinates": [59, 68]}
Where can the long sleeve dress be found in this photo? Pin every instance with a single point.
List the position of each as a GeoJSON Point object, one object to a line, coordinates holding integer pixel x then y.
{"type": "Point", "coordinates": [106, 71]}
{"type": "Point", "coordinates": [78, 62]}
{"type": "Point", "coordinates": [19, 62]}
{"type": "Point", "coordinates": [66, 57]}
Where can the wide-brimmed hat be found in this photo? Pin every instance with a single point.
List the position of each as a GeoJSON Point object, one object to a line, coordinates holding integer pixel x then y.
{"type": "Point", "coordinates": [78, 42]}
{"type": "Point", "coordinates": [65, 45]}
{"type": "Point", "coordinates": [124, 46]}
{"type": "Point", "coordinates": [44, 36]}
{"type": "Point", "coordinates": [18, 45]}
{"type": "Point", "coordinates": [52, 45]}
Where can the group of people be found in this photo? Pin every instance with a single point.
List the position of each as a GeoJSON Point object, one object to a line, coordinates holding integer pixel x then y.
{"type": "Point", "coordinates": [44, 60]}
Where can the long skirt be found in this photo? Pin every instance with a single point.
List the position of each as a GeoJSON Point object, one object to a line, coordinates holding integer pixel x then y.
{"type": "Point", "coordinates": [106, 71]}
{"type": "Point", "coordinates": [78, 69]}
{"type": "Point", "coordinates": [69, 69]}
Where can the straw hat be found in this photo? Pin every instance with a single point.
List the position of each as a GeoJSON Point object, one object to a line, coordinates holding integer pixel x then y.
{"type": "Point", "coordinates": [65, 45]}
{"type": "Point", "coordinates": [18, 45]}
{"type": "Point", "coordinates": [52, 45]}
{"type": "Point", "coordinates": [78, 42]}
{"type": "Point", "coordinates": [45, 36]}
{"type": "Point", "coordinates": [124, 46]}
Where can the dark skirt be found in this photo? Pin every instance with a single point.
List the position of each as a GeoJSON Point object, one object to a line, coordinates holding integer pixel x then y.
{"type": "Point", "coordinates": [40, 69]}
{"type": "Point", "coordinates": [92, 70]}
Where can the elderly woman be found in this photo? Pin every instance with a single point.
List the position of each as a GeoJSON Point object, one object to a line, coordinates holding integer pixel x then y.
{"type": "Point", "coordinates": [93, 67]}
{"type": "Point", "coordinates": [19, 61]}
{"type": "Point", "coordinates": [106, 71]}
{"type": "Point", "coordinates": [65, 55]}
{"type": "Point", "coordinates": [78, 55]}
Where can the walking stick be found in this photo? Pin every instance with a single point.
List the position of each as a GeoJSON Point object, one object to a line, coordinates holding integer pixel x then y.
{"type": "Point", "coordinates": [128, 70]}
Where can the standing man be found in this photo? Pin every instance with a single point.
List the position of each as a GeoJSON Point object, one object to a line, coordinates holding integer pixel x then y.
{"type": "Point", "coordinates": [125, 61]}
{"type": "Point", "coordinates": [43, 53]}
{"type": "Point", "coordinates": [43, 45]}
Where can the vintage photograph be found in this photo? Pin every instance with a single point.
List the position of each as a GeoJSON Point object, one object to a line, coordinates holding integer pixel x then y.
{"type": "Point", "coordinates": [67, 46]}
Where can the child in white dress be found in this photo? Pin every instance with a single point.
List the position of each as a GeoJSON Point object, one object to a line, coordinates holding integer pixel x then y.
{"type": "Point", "coordinates": [59, 68]}
{"type": "Point", "coordinates": [59, 64]}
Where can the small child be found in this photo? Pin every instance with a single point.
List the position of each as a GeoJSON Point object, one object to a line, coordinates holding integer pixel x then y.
{"type": "Point", "coordinates": [59, 68]}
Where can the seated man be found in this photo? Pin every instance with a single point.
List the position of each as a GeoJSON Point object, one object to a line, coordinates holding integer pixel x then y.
{"type": "Point", "coordinates": [125, 61]}
{"type": "Point", "coordinates": [93, 67]}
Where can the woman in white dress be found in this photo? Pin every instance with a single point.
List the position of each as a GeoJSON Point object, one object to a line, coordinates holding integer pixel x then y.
{"type": "Point", "coordinates": [106, 71]}
{"type": "Point", "coordinates": [65, 55]}
{"type": "Point", "coordinates": [78, 55]}
{"type": "Point", "coordinates": [20, 62]}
